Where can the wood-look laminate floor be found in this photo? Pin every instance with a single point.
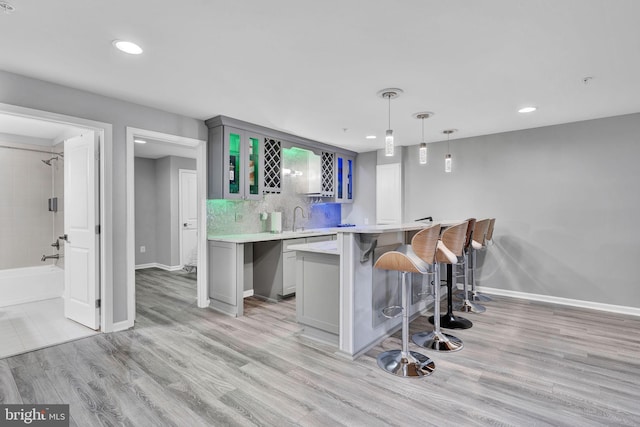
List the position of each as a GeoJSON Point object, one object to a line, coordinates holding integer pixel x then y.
{"type": "Point", "coordinates": [523, 364]}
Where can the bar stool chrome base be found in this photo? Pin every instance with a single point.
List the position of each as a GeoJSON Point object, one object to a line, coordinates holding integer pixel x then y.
{"type": "Point", "coordinates": [415, 365]}
{"type": "Point", "coordinates": [451, 321]}
{"type": "Point", "coordinates": [437, 341]}
{"type": "Point", "coordinates": [467, 306]}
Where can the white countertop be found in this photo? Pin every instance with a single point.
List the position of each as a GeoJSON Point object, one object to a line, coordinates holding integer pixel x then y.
{"type": "Point", "coordinates": [329, 247]}
{"type": "Point", "coordinates": [267, 236]}
{"type": "Point", "coordinates": [361, 229]}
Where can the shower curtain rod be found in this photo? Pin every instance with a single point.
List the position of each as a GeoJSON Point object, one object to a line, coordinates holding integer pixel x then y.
{"type": "Point", "coordinates": [31, 149]}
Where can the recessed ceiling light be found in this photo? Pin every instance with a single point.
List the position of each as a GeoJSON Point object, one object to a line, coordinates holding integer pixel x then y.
{"type": "Point", "coordinates": [370, 137]}
{"type": "Point", "coordinates": [127, 47]}
{"type": "Point", "coordinates": [6, 7]}
{"type": "Point", "coordinates": [139, 141]}
{"type": "Point", "coordinates": [527, 109]}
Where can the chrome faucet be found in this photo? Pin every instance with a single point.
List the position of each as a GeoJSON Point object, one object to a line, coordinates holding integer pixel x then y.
{"type": "Point", "coordinates": [46, 257]}
{"type": "Point", "coordinates": [294, 217]}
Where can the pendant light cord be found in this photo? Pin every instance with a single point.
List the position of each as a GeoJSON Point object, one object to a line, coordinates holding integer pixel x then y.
{"type": "Point", "coordinates": [389, 96]}
{"type": "Point", "coordinates": [423, 128]}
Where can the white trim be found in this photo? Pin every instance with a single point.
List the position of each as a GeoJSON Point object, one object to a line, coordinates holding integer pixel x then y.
{"type": "Point", "coordinates": [122, 326]}
{"type": "Point", "coordinates": [247, 294]}
{"type": "Point", "coordinates": [160, 266]}
{"type": "Point", "coordinates": [201, 170]}
{"type": "Point", "coordinates": [621, 309]}
{"type": "Point", "coordinates": [105, 133]}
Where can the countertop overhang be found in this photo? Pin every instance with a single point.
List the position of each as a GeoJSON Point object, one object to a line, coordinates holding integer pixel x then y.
{"type": "Point", "coordinates": [361, 229]}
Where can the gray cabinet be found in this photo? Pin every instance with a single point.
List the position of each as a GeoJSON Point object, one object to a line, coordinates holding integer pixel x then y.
{"type": "Point", "coordinates": [274, 267]}
{"type": "Point", "coordinates": [235, 164]}
{"type": "Point", "coordinates": [318, 297]}
{"type": "Point", "coordinates": [344, 171]}
{"type": "Point", "coordinates": [288, 273]}
{"type": "Point", "coordinates": [328, 175]}
{"type": "Point", "coordinates": [245, 161]}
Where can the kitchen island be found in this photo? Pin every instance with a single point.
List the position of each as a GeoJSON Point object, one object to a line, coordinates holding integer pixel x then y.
{"type": "Point", "coordinates": [360, 292]}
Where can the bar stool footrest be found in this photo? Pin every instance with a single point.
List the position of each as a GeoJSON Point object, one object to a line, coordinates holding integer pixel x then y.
{"type": "Point", "coordinates": [392, 311]}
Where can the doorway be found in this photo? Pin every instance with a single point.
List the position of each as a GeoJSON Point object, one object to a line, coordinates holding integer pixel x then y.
{"type": "Point", "coordinates": [41, 288]}
{"type": "Point", "coordinates": [154, 220]}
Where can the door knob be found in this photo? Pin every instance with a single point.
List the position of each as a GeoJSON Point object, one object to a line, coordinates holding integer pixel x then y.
{"type": "Point", "coordinates": [186, 224]}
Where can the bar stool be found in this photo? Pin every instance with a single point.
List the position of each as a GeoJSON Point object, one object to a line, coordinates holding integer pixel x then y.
{"type": "Point", "coordinates": [466, 305]}
{"type": "Point", "coordinates": [404, 363]}
{"type": "Point", "coordinates": [472, 223]}
{"type": "Point", "coordinates": [479, 242]}
{"type": "Point", "coordinates": [424, 245]}
{"type": "Point", "coordinates": [449, 251]}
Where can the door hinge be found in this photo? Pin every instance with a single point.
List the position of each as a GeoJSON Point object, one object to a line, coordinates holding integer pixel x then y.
{"type": "Point", "coordinates": [98, 229]}
{"type": "Point", "coordinates": [97, 303]}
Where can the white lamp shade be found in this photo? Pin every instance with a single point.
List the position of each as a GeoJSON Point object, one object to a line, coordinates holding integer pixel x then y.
{"type": "Point", "coordinates": [388, 143]}
{"type": "Point", "coordinates": [422, 153]}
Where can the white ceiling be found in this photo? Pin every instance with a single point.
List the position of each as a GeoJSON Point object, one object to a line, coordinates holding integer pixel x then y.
{"type": "Point", "coordinates": [46, 133]}
{"type": "Point", "coordinates": [314, 68]}
{"type": "Point", "coordinates": [156, 149]}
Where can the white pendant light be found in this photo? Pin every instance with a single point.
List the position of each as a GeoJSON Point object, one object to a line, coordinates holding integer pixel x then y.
{"type": "Point", "coordinates": [389, 140]}
{"type": "Point", "coordinates": [422, 151]}
{"type": "Point", "coordinates": [448, 160]}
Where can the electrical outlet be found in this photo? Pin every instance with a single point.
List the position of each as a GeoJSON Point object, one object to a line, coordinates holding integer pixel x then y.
{"type": "Point", "coordinates": [143, 249]}
{"type": "Point", "coordinates": [366, 221]}
{"type": "Point", "coordinates": [239, 217]}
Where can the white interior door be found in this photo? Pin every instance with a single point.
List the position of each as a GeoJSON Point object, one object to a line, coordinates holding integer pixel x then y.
{"type": "Point", "coordinates": [81, 283]}
{"type": "Point", "coordinates": [188, 217]}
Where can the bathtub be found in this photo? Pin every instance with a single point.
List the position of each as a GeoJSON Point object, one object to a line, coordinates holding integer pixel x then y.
{"type": "Point", "coordinates": [20, 285]}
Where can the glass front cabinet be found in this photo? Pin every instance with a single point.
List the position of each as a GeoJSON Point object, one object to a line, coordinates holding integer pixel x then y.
{"type": "Point", "coordinates": [344, 170]}
{"type": "Point", "coordinates": [236, 164]}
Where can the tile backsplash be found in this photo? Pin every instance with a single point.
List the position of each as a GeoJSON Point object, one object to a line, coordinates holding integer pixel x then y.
{"type": "Point", "coordinates": [244, 216]}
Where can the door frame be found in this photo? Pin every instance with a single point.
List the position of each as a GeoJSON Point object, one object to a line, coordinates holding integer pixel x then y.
{"type": "Point", "coordinates": [201, 173]}
{"type": "Point", "coordinates": [181, 173]}
{"type": "Point", "coordinates": [105, 133]}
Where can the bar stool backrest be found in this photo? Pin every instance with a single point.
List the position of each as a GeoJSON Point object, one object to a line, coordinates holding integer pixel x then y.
{"type": "Point", "coordinates": [424, 243]}
{"type": "Point", "coordinates": [397, 261]}
{"type": "Point", "coordinates": [453, 238]}
{"type": "Point", "coordinates": [470, 227]}
{"type": "Point", "coordinates": [480, 231]}
{"type": "Point", "coordinates": [489, 237]}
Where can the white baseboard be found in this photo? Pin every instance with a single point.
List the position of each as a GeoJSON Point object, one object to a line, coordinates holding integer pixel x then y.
{"type": "Point", "coordinates": [121, 326]}
{"type": "Point", "coordinates": [248, 293]}
{"type": "Point", "coordinates": [160, 266]}
{"type": "Point", "coordinates": [621, 309]}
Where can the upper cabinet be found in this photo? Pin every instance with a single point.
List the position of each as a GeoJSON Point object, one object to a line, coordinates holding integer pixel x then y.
{"type": "Point", "coordinates": [246, 161]}
{"type": "Point", "coordinates": [328, 175]}
{"type": "Point", "coordinates": [344, 167]}
{"type": "Point", "coordinates": [236, 164]}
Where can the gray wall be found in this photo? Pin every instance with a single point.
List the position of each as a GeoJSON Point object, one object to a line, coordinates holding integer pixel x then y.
{"type": "Point", "coordinates": [565, 200]}
{"type": "Point", "coordinates": [41, 95]}
{"type": "Point", "coordinates": [145, 181]}
{"type": "Point", "coordinates": [158, 209]}
{"type": "Point", "coordinates": [364, 191]}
